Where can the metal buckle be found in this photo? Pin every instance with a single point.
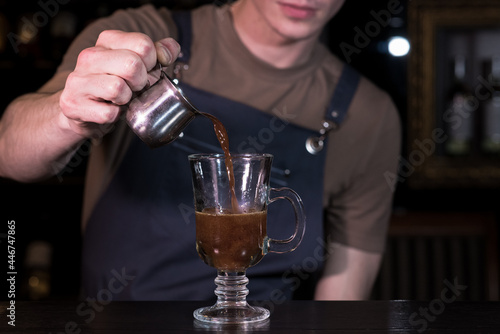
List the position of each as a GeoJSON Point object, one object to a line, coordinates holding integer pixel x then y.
{"type": "Point", "coordinates": [315, 144]}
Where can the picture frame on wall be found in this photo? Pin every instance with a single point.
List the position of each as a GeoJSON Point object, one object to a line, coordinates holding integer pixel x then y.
{"type": "Point", "coordinates": [453, 94]}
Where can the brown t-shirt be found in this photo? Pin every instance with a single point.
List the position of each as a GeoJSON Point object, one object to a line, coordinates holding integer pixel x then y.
{"type": "Point", "coordinates": [357, 195]}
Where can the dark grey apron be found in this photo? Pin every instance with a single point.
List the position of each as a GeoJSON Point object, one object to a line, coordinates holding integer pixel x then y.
{"type": "Point", "coordinates": [140, 240]}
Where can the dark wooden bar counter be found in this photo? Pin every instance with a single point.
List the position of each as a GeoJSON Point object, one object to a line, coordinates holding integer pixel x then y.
{"type": "Point", "coordinates": [288, 317]}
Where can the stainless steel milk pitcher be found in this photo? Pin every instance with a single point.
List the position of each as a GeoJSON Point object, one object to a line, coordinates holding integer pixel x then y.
{"type": "Point", "coordinates": [159, 114]}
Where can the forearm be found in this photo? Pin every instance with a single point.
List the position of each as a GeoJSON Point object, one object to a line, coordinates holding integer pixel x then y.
{"type": "Point", "coordinates": [40, 132]}
{"type": "Point", "coordinates": [36, 141]}
{"type": "Point", "coordinates": [349, 274]}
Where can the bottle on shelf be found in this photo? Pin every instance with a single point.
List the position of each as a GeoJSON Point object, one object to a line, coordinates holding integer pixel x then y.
{"type": "Point", "coordinates": [491, 111]}
{"type": "Point", "coordinates": [459, 117]}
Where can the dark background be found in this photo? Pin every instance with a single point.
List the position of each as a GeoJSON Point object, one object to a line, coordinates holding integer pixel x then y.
{"type": "Point", "coordinates": [51, 210]}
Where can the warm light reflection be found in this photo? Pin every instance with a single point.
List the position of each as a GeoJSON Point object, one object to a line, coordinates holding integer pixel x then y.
{"type": "Point", "coordinates": [33, 281]}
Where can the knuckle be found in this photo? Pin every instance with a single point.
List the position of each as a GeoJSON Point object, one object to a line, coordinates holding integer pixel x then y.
{"type": "Point", "coordinates": [115, 87]}
{"type": "Point", "coordinates": [70, 79]}
{"type": "Point", "coordinates": [133, 65]}
{"type": "Point", "coordinates": [86, 56]}
{"type": "Point", "coordinates": [105, 35]}
{"type": "Point", "coordinates": [144, 46]}
{"type": "Point", "coordinates": [134, 72]}
{"type": "Point", "coordinates": [67, 100]}
{"type": "Point", "coordinates": [107, 114]}
{"type": "Point", "coordinates": [69, 108]}
{"type": "Point", "coordinates": [118, 91]}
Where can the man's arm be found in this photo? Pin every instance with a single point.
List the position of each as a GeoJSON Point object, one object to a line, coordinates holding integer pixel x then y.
{"type": "Point", "coordinates": [35, 141]}
{"type": "Point", "coordinates": [39, 132]}
{"type": "Point", "coordinates": [349, 274]}
{"type": "Point", "coordinates": [357, 212]}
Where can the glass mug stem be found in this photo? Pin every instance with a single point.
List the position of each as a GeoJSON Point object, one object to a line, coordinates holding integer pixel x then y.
{"type": "Point", "coordinates": [231, 306]}
{"type": "Point", "coordinates": [231, 288]}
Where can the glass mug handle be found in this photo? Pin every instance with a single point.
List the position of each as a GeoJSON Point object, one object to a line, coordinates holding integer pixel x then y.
{"type": "Point", "coordinates": [290, 244]}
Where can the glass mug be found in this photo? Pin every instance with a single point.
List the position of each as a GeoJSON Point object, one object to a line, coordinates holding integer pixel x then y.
{"type": "Point", "coordinates": [231, 215]}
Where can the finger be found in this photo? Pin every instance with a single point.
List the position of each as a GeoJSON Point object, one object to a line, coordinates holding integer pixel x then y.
{"type": "Point", "coordinates": [109, 88]}
{"type": "Point", "coordinates": [167, 51]}
{"type": "Point", "coordinates": [88, 111]}
{"type": "Point", "coordinates": [136, 42]}
{"type": "Point", "coordinates": [121, 63]}
{"type": "Point", "coordinates": [94, 98]}
{"type": "Point", "coordinates": [99, 87]}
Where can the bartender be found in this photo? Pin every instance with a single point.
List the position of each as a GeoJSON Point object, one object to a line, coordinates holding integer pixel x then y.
{"type": "Point", "coordinates": [258, 66]}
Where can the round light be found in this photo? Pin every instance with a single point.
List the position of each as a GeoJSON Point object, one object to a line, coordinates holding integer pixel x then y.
{"type": "Point", "coordinates": [398, 46]}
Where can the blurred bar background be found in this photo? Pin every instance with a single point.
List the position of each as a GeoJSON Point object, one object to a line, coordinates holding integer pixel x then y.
{"type": "Point", "coordinates": [439, 231]}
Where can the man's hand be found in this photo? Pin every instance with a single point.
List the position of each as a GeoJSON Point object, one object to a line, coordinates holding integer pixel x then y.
{"type": "Point", "coordinates": [39, 132]}
{"type": "Point", "coordinates": [106, 76]}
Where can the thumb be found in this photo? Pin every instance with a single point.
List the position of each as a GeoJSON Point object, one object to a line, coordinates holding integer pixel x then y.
{"type": "Point", "coordinates": [167, 51]}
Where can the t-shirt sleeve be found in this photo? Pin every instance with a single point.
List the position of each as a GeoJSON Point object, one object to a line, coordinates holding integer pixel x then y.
{"type": "Point", "coordinates": [358, 211]}
{"type": "Point", "coordinates": [153, 22]}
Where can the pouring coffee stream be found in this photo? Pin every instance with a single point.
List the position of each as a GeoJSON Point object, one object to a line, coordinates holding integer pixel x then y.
{"type": "Point", "coordinates": [221, 133]}
{"type": "Point", "coordinates": [159, 114]}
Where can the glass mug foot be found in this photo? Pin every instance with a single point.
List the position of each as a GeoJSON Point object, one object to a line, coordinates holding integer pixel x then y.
{"type": "Point", "coordinates": [231, 315]}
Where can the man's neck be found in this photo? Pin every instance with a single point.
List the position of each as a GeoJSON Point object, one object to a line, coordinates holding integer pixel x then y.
{"type": "Point", "coordinates": [267, 44]}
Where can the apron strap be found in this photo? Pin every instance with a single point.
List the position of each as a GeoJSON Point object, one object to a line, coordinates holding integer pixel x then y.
{"type": "Point", "coordinates": [336, 111]}
{"type": "Point", "coordinates": [343, 95]}
{"type": "Point", "coordinates": [184, 34]}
